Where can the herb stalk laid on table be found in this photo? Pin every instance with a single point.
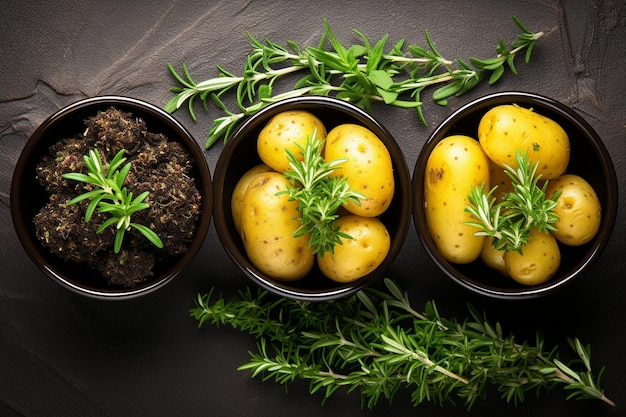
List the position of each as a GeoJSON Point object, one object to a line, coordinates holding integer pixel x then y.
{"type": "Point", "coordinates": [361, 74]}
{"type": "Point", "coordinates": [375, 342]}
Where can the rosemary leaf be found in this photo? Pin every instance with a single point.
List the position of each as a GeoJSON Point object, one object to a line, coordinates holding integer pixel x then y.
{"type": "Point", "coordinates": [375, 343]}
{"type": "Point", "coordinates": [362, 74]}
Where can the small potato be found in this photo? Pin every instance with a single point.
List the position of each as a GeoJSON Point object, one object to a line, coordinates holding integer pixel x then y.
{"type": "Point", "coordinates": [240, 189]}
{"type": "Point", "coordinates": [497, 176]}
{"type": "Point", "coordinates": [267, 224]}
{"type": "Point", "coordinates": [578, 209]}
{"type": "Point", "coordinates": [287, 130]}
{"type": "Point", "coordinates": [454, 166]}
{"type": "Point", "coordinates": [493, 257]}
{"type": "Point", "coordinates": [508, 127]}
{"type": "Point", "coordinates": [538, 263]}
{"type": "Point", "coordinates": [360, 255]}
{"type": "Point", "coordinates": [368, 167]}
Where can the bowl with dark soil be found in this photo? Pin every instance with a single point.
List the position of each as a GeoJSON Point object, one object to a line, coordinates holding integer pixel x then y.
{"type": "Point", "coordinates": [111, 197]}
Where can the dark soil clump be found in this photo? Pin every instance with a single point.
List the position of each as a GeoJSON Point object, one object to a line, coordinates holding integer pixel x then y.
{"type": "Point", "coordinates": [158, 165]}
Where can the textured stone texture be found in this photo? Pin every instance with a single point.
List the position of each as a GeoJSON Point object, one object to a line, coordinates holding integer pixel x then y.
{"type": "Point", "coordinates": [64, 356]}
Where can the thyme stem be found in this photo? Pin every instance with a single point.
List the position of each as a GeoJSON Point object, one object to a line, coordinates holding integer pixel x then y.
{"type": "Point", "coordinates": [375, 342]}
{"type": "Point", "coordinates": [362, 74]}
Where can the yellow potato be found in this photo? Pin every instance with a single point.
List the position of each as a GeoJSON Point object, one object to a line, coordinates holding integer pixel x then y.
{"type": "Point", "coordinates": [493, 257]}
{"type": "Point", "coordinates": [358, 256]}
{"type": "Point", "coordinates": [508, 127]}
{"type": "Point", "coordinates": [455, 165]}
{"type": "Point", "coordinates": [498, 176]}
{"type": "Point", "coordinates": [287, 130]}
{"type": "Point", "coordinates": [538, 262]}
{"type": "Point", "coordinates": [368, 167]}
{"type": "Point", "coordinates": [240, 189]}
{"type": "Point", "coordinates": [578, 209]}
{"type": "Point", "coordinates": [267, 224]}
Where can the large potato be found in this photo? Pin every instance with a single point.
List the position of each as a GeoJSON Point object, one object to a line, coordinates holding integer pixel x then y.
{"type": "Point", "coordinates": [539, 260]}
{"type": "Point", "coordinates": [578, 209]}
{"type": "Point", "coordinates": [287, 130]}
{"type": "Point", "coordinates": [236, 201]}
{"type": "Point", "coordinates": [358, 256]}
{"type": "Point", "coordinates": [508, 127]}
{"type": "Point", "coordinates": [368, 167]}
{"type": "Point", "coordinates": [454, 166]}
{"type": "Point", "coordinates": [267, 224]}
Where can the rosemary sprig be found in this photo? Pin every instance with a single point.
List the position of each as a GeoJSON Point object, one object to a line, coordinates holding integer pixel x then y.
{"type": "Point", "coordinates": [120, 204]}
{"type": "Point", "coordinates": [361, 73]}
{"type": "Point", "coordinates": [375, 342]}
{"type": "Point", "coordinates": [319, 195]}
{"type": "Point", "coordinates": [509, 222]}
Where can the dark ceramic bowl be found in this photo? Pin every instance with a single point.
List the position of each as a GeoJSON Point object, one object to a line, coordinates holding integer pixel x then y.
{"type": "Point", "coordinates": [589, 159]}
{"type": "Point", "coordinates": [27, 196]}
{"type": "Point", "coordinates": [239, 155]}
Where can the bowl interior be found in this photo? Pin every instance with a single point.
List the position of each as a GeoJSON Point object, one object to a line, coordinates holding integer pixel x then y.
{"type": "Point", "coordinates": [27, 196]}
{"type": "Point", "coordinates": [240, 154]}
{"type": "Point", "coordinates": [589, 159]}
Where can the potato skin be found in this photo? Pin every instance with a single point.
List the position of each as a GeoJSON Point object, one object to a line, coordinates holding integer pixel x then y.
{"type": "Point", "coordinates": [360, 255]}
{"type": "Point", "coordinates": [284, 131]}
{"type": "Point", "coordinates": [236, 202]}
{"type": "Point", "coordinates": [538, 263]}
{"type": "Point", "coordinates": [578, 209]}
{"type": "Point", "coordinates": [493, 257]}
{"type": "Point", "coordinates": [368, 167]}
{"type": "Point", "coordinates": [508, 127]}
{"type": "Point", "coordinates": [498, 177]}
{"type": "Point", "coordinates": [267, 224]}
{"type": "Point", "coordinates": [455, 165]}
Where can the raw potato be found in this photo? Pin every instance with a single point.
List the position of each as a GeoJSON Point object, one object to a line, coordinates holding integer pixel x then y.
{"type": "Point", "coordinates": [240, 189]}
{"type": "Point", "coordinates": [493, 257]}
{"type": "Point", "coordinates": [267, 224]}
{"type": "Point", "coordinates": [360, 255]}
{"type": "Point", "coordinates": [285, 131]}
{"type": "Point", "coordinates": [498, 176]}
{"type": "Point", "coordinates": [454, 166]}
{"type": "Point", "coordinates": [538, 263]}
{"type": "Point", "coordinates": [508, 127]}
{"type": "Point", "coordinates": [368, 167]}
{"type": "Point", "coordinates": [578, 209]}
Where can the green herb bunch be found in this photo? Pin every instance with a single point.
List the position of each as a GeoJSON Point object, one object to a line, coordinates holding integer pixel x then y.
{"type": "Point", "coordinates": [361, 74]}
{"type": "Point", "coordinates": [319, 195]}
{"type": "Point", "coordinates": [375, 343]}
{"type": "Point", "coordinates": [509, 222]}
{"type": "Point", "coordinates": [110, 196]}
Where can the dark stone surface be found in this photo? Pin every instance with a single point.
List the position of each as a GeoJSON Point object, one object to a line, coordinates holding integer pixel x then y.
{"type": "Point", "coordinates": [64, 356]}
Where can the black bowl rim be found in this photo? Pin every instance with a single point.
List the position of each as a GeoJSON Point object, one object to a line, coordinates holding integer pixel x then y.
{"type": "Point", "coordinates": [609, 209]}
{"type": "Point", "coordinates": [32, 247]}
{"type": "Point", "coordinates": [284, 288]}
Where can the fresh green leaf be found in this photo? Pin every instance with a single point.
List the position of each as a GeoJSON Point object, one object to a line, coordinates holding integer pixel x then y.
{"type": "Point", "coordinates": [361, 73]}
{"type": "Point", "coordinates": [111, 197]}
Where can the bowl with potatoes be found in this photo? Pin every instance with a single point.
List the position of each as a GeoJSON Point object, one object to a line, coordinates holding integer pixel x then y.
{"type": "Point", "coordinates": [515, 195]}
{"type": "Point", "coordinates": [312, 198]}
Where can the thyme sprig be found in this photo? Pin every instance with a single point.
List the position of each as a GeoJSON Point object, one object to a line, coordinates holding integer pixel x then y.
{"type": "Point", "coordinates": [375, 343]}
{"type": "Point", "coordinates": [362, 74]}
{"type": "Point", "coordinates": [110, 196]}
{"type": "Point", "coordinates": [527, 207]}
{"type": "Point", "coordinates": [319, 195]}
